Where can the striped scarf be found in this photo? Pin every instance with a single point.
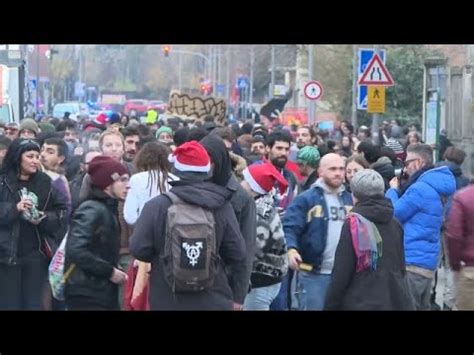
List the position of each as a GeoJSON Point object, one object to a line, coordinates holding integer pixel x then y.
{"type": "Point", "coordinates": [366, 241]}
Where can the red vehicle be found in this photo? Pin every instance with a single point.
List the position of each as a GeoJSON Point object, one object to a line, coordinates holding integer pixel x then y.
{"type": "Point", "coordinates": [135, 107]}
{"type": "Point", "coordinates": [157, 105]}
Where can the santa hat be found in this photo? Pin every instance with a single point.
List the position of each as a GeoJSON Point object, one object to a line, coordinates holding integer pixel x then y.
{"type": "Point", "coordinates": [101, 119]}
{"type": "Point", "coordinates": [191, 157]}
{"type": "Point", "coordinates": [262, 178]}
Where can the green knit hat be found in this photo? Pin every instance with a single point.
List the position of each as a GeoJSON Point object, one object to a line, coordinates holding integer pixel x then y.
{"type": "Point", "coordinates": [47, 127]}
{"type": "Point", "coordinates": [309, 155]}
{"type": "Point", "coordinates": [164, 129]}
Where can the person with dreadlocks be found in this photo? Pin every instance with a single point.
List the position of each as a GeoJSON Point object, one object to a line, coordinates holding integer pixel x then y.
{"type": "Point", "coordinates": [369, 269]}
{"type": "Point", "coordinates": [152, 179]}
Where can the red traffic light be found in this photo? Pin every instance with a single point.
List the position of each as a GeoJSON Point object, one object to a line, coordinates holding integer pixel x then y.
{"type": "Point", "coordinates": [166, 50]}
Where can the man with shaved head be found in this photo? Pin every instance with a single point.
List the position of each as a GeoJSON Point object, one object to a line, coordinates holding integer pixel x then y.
{"type": "Point", "coordinates": [312, 227]}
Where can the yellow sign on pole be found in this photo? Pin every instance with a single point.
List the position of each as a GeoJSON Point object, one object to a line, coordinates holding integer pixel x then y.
{"type": "Point", "coordinates": [376, 99]}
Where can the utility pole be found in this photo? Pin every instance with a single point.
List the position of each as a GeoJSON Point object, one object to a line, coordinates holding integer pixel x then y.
{"type": "Point", "coordinates": [209, 70]}
{"type": "Point", "coordinates": [216, 58]}
{"type": "Point", "coordinates": [219, 68]}
{"type": "Point", "coordinates": [227, 77]}
{"type": "Point", "coordinates": [355, 77]}
{"type": "Point", "coordinates": [252, 59]}
{"type": "Point", "coordinates": [272, 83]}
{"type": "Point", "coordinates": [37, 77]}
{"type": "Point", "coordinates": [180, 72]}
{"type": "Point", "coordinates": [375, 116]}
{"type": "Point", "coordinates": [312, 103]}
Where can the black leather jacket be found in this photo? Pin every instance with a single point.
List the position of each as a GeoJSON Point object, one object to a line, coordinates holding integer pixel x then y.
{"type": "Point", "coordinates": [49, 232]}
{"type": "Point", "coordinates": [93, 246]}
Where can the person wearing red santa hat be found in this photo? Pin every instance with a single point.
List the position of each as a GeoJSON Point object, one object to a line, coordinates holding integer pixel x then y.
{"type": "Point", "coordinates": [191, 163]}
{"type": "Point", "coordinates": [271, 260]}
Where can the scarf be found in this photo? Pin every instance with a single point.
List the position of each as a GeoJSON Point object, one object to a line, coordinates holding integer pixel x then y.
{"type": "Point", "coordinates": [366, 241]}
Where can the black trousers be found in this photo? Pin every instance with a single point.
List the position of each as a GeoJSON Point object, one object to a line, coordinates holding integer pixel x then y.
{"type": "Point", "coordinates": [85, 305]}
{"type": "Point", "coordinates": [22, 285]}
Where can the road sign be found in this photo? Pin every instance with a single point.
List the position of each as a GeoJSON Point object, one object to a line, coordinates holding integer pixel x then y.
{"type": "Point", "coordinates": [313, 90]}
{"type": "Point", "coordinates": [220, 89]}
{"type": "Point", "coordinates": [79, 89]}
{"type": "Point", "coordinates": [280, 90]}
{"type": "Point", "coordinates": [376, 99]}
{"type": "Point", "coordinates": [365, 55]}
{"type": "Point", "coordinates": [376, 73]}
{"type": "Point", "coordinates": [432, 122]}
{"type": "Point", "coordinates": [242, 82]}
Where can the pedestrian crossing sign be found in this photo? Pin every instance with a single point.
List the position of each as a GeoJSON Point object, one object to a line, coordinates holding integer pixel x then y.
{"type": "Point", "coordinates": [376, 99]}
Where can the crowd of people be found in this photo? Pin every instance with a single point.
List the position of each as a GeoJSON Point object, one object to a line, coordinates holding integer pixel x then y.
{"type": "Point", "coordinates": [197, 215]}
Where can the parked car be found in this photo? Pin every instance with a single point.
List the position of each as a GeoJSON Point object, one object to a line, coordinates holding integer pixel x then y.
{"type": "Point", "coordinates": [157, 105]}
{"type": "Point", "coordinates": [135, 107]}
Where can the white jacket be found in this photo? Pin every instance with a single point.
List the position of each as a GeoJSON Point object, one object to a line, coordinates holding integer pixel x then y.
{"type": "Point", "coordinates": [140, 193]}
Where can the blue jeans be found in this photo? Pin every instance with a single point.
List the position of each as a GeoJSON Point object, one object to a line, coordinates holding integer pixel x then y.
{"type": "Point", "coordinates": [311, 290]}
{"type": "Point", "coordinates": [260, 299]}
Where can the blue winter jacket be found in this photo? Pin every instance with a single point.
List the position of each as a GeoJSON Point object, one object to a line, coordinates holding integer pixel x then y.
{"type": "Point", "coordinates": [420, 210]}
{"type": "Point", "coordinates": [306, 224]}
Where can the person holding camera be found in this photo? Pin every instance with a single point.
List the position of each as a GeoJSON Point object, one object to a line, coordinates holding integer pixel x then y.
{"type": "Point", "coordinates": [419, 206]}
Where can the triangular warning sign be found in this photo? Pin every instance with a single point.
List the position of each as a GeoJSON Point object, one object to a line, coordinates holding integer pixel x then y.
{"type": "Point", "coordinates": [376, 73]}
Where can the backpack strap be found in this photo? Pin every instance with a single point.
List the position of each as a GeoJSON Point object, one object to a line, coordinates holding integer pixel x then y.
{"type": "Point", "coordinates": [173, 197]}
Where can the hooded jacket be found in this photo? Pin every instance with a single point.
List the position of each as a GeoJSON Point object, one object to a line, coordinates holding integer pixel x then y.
{"type": "Point", "coordinates": [384, 167]}
{"type": "Point", "coordinates": [383, 289]}
{"type": "Point", "coordinates": [460, 229]}
{"type": "Point", "coordinates": [420, 210]}
{"type": "Point", "coordinates": [242, 203]}
{"type": "Point", "coordinates": [461, 180]}
{"type": "Point", "coordinates": [148, 239]}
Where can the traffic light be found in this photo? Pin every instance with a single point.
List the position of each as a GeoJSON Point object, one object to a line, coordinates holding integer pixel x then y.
{"type": "Point", "coordinates": [166, 50]}
{"type": "Point", "coordinates": [206, 88]}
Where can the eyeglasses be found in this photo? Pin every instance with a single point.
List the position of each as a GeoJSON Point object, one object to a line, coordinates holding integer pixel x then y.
{"type": "Point", "coordinates": [407, 162]}
{"type": "Point", "coordinates": [11, 130]}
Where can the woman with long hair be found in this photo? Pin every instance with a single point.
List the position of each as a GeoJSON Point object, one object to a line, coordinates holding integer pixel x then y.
{"type": "Point", "coordinates": [151, 180]}
{"type": "Point", "coordinates": [32, 216]}
{"type": "Point", "coordinates": [153, 174]}
{"type": "Point", "coordinates": [354, 164]}
{"type": "Point", "coordinates": [413, 138]}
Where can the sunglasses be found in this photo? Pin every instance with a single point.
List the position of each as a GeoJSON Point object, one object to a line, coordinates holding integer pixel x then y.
{"type": "Point", "coordinates": [11, 129]}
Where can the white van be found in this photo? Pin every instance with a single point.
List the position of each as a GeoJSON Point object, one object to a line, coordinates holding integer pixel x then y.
{"type": "Point", "coordinates": [76, 109]}
{"type": "Point", "coordinates": [6, 112]}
